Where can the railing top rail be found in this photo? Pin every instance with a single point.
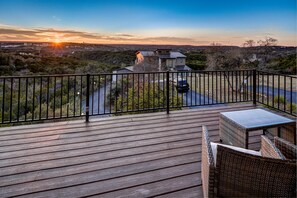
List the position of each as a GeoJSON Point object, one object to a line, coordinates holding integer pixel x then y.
{"type": "Point", "coordinates": [38, 76]}
{"type": "Point", "coordinates": [221, 70]}
{"type": "Point", "coordinates": [131, 73]}
{"type": "Point", "coordinates": [163, 72]}
{"type": "Point", "coordinates": [273, 73]}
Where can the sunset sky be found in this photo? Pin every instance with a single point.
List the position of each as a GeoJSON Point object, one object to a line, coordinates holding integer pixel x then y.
{"type": "Point", "coordinates": [192, 22]}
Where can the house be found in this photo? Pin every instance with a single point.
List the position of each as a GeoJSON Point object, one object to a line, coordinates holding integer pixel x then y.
{"type": "Point", "coordinates": [161, 60]}
{"type": "Point", "coordinates": [152, 61]}
{"type": "Point", "coordinates": [124, 70]}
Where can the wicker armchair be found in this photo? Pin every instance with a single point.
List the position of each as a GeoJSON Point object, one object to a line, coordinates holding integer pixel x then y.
{"type": "Point", "coordinates": [238, 174]}
{"type": "Point", "coordinates": [288, 149]}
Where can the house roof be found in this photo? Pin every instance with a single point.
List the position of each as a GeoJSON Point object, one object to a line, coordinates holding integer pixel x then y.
{"type": "Point", "coordinates": [125, 69]}
{"type": "Point", "coordinates": [171, 55]}
{"type": "Point", "coordinates": [131, 68]}
{"type": "Point", "coordinates": [177, 55]}
{"type": "Point", "coordinates": [147, 53]}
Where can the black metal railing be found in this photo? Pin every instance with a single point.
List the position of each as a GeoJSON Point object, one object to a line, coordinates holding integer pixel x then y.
{"type": "Point", "coordinates": [277, 91]}
{"type": "Point", "coordinates": [38, 98]}
{"type": "Point", "coordinates": [35, 98]}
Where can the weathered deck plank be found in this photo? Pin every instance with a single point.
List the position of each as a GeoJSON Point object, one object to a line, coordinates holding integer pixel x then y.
{"type": "Point", "coordinates": [112, 120]}
{"type": "Point", "coordinates": [119, 183]}
{"type": "Point", "coordinates": [128, 156]}
{"type": "Point", "coordinates": [91, 129]}
{"type": "Point", "coordinates": [157, 188]}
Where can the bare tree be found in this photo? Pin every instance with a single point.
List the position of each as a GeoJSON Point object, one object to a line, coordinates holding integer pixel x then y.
{"type": "Point", "coordinates": [268, 41]}
{"type": "Point", "coordinates": [215, 44]}
{"type": "Point", "coordinates": [249, 43]}
{"type": "Point", "coordinates": [224, 59]}
{"type": "Point", "coordinates": [149, 64]}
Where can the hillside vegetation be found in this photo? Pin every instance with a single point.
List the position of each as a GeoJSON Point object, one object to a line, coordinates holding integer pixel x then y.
{"type": "Point", "coordinates": [13, 63]}
{"type": "Point", "coordinates": [276, 59]}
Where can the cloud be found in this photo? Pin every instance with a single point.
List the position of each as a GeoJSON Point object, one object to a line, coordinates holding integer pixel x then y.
{"type": "Point", "coordinates": [124, 35]}
{"type": "Point", "coordinates": [16, 31]}
{"type": "Point", "coordinates": [11, 33]}
{"type": "Point", "coordinates": [51, 34]}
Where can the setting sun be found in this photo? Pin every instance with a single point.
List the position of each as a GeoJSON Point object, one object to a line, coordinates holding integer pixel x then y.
{"type": "Point", "coordinates": [57, 43]}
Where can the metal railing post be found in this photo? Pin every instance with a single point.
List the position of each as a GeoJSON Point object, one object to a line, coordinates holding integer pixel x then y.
{"type": "Point", "coordinates": [167, 92]}
{"type": "Point", "coordinates": [88, 98]}
{"type": "Point", "coordinates": [254, 87]}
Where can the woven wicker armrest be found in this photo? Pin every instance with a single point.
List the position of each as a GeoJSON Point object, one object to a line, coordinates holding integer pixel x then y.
{"type": "Point", "coordinates": [207, 167]}
{"type": "Point", "coordinates": [288, 149]}
{"type": "Point", "coordinates": [268, 149]}
{"type": "Point", "coordinates": [243, 175]}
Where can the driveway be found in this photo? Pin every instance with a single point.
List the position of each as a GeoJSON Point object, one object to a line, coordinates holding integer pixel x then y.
{"type": "Point", "coordinates": [99, 100]}
{"type": "Point", "coordinates": [269, 90]}
{"type": "Point", "coordinates": [193, 98]}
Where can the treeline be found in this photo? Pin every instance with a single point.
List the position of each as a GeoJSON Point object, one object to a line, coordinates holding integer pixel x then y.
{"type": "Point", "coordinates": [286, 65]}
{"type": "Point", "coordinates": [197, 60]}
{"type": "Point", "coordinates": [121, 58]}
{"type": "Point", "coordinates": [79, 62]}
{"type": "Point", "coordinates": [266, 58]}
{"type": "Point", "coordinates": [270, 59]}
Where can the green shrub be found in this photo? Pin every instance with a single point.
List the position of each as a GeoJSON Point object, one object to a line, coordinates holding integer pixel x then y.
{"type": "Point", "coordinates": [293, 106]}
{"type": "Point", "coordinates": [279, 99]}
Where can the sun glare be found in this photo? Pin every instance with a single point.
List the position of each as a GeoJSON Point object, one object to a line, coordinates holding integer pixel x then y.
{"type": "Point", "coordinates": [57, 42]}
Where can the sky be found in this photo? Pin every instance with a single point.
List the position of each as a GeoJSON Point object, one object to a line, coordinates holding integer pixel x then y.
{"type": "Point", "coordinates": [177, 22]}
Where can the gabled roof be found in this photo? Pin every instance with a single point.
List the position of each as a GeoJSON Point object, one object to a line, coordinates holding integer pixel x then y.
{"type": "Point", "coordinates": [171, 55]}
{"type": "Point", "coordinates": [147, 53]}
{"type": "Point", "coordinates": [131, 68]}
{"type": "Point", "coordinates": [125, 69]}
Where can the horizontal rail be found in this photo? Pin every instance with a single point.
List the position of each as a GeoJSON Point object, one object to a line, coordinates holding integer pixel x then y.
{"type": "Point", "coordinates": [59, 75]}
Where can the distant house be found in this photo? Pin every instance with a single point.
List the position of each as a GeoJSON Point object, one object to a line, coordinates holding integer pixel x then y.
{"type": "Point", "coordinates": [161, 60]}
{"type": "Point", "coordinates": [152, 61]}
{"type": "Point", "coordinates": [121, 71]}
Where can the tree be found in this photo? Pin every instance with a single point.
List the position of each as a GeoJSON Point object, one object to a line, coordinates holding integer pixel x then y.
{"type": "Point", "coordinates": [196, 60]}
{"type": "Point", "coordinates": [249, 43]}
{"type": "Point", "coordinates": [267, 49]}
{"type": "Point", "coordinates": [224, 59]}
{"type": "Point", "coordinates": [216, 44]}
{"type": "Point", "coordinates": [146, 96]}
{"type": "Point", "coordinates": [268, 41]}
{"type": "Point", "coordinates": [149, 64]}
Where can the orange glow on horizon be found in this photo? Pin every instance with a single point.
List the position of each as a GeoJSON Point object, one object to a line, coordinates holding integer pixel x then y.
{"type": "Point", "coordinates": [57, 43]}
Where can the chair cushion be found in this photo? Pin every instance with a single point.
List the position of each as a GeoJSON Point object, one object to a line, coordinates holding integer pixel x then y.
{"type": "Point", "coordinates": [215, 145]}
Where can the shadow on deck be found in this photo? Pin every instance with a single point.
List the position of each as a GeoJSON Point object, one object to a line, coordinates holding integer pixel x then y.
{"type": "Point", "coordinates": [141, 155]}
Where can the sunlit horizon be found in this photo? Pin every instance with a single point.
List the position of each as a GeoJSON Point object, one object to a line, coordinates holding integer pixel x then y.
{"type": "Point", "coordinates": [196, 23]}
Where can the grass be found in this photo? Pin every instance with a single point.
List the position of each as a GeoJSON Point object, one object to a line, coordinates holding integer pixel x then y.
{"type": "Point", "coordinates": [219, 87]}
{"type": "Point", "coordinates": [284, 82]}
{"type": "Point", "coordinates": [222, 88]}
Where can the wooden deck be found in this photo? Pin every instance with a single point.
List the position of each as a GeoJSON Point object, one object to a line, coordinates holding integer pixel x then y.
{"type": "Point", "coordinates": [144, 155]}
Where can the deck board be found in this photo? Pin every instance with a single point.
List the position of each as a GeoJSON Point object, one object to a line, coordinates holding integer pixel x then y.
{"type": "Point", "coordinates": [142, 155]}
